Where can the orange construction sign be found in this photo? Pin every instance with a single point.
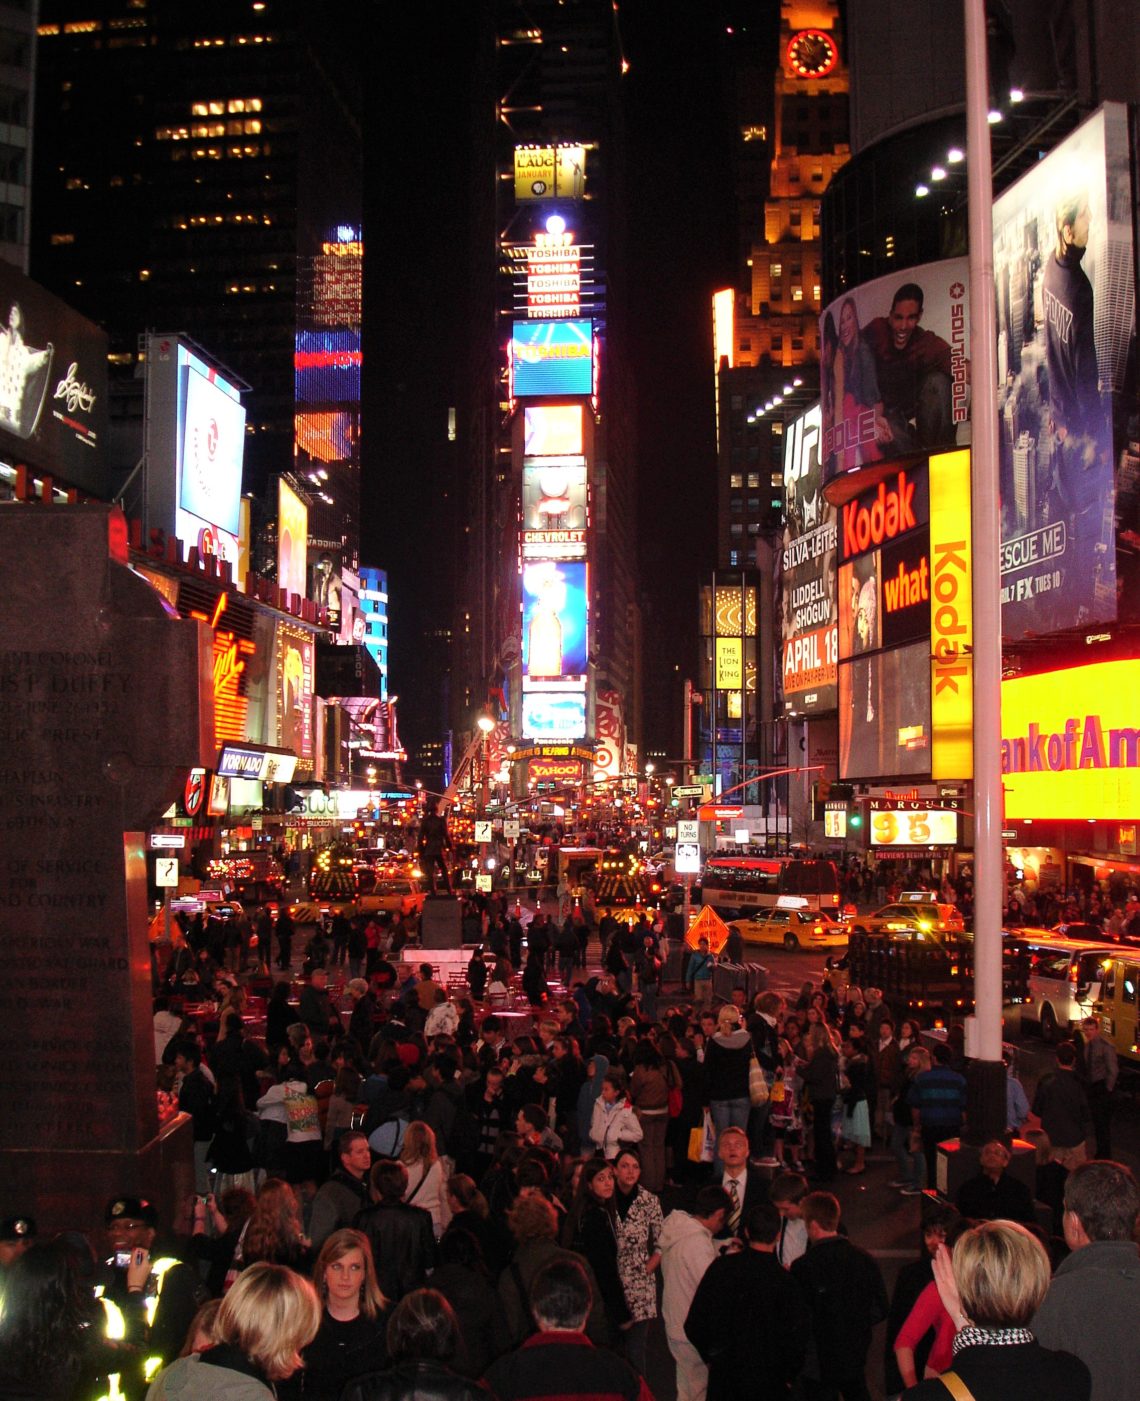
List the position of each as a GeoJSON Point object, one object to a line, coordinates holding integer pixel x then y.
{"type": "Point", "coordinates": [707, 925]}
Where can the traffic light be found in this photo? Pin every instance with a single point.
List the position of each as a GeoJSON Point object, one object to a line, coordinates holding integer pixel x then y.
{"type": "Point", "coordinates": [856, 818]}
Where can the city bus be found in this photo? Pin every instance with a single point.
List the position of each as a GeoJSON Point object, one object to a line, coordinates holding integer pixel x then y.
{"type": "Point", "coordinates": [739, 886]}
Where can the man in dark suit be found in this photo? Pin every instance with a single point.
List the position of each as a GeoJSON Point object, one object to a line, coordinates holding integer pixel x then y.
{"type": "Point", "coordinates": [744, 1184]}
{"type": "Point", "coordinates": [764, 1358]}
{"type": "Point", "coordinates": [845, 1292]}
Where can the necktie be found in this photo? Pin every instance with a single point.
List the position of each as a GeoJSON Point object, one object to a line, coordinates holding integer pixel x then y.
{"type": "Point", "coordinates": [780, 1246]}
{"type": "Point", "coordinates": [734, 1213]}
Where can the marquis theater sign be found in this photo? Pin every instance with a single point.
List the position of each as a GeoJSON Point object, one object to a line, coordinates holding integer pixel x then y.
{"type": "Point", "coordinates": [1070, 744]}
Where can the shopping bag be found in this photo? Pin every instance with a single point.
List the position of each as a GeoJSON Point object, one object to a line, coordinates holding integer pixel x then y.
{"type": "Point", "coordinates": [702, 1142]}
{"type": "Point", "coordinates": [757, 1084]}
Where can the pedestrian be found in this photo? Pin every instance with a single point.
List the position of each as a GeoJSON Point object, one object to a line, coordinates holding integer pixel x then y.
{"type": "Point", "coordinates": [820, 1076]}
{"type": "Point", "coordinates": [763, 1358]}
{"type": "Point", "coordinates": [1102, 1069]}
{"type": "Point", "coordinates": [937, 1100]}
{"type": "Point", "coordinates": [284, 932]}
{"type": "Point", "coordinates": [844, 1290]}
{"type": "Point", "coordinates": [991, 1288]}
{"type": "Point", "coordinates": [649, 1095]}
{"type": "Point", "coordinates": [728, 1058]}
{"type": "Point", "coordinates": [698, 975]}
{"type": "Point", "coordinates": [639, 1228]}
{"type": "Point", "coordinates": [592, 1230]}
{"type": "Point", "coordinates": [1063, 1108]}
{"type": "Point", "coordinates": [1093, 1303]}
{"type": "Point", "coordinates": [688, 1248]}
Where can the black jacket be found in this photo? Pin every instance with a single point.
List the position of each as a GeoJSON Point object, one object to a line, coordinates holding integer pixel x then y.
{"type": "Point", "coordinates": [403, 1246]}
{"type": "Point", "coordinates": [1007, 1199]}
{"type": "Point", "coordinates": [763, 1358]}
{"type": "Point", "coordinates": [482, 1322]}
{"type": "Point", "coordinates": [846, 1295]}
{"type": "Point", "coordinates": [1024, 1372]}
{"type": "Point", "coordinates": [727, 1058]}
{"type": "Point", "coordinates": [339, 1352]}
{"type": "Point", "coordinates": [755, 1191]}
{"type": "Point", "coordinates": [414, 1381]}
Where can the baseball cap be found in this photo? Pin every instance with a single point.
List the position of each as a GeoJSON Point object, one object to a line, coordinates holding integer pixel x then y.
{"type": "Point", "coordinates": [131, 1209]}
{"type": "Point", "coordinates": [17, 1228]}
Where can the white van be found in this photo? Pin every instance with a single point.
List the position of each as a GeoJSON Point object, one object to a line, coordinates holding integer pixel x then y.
{"type": "Point", "coordinates": [1064, 981]}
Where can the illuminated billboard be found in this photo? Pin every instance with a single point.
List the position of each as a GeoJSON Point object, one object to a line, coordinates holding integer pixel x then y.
{"type": "Point", "coordinates": [554, 714]}
{"type": "Point", "coordinates": [213, 444]}
{"type": "Point", "coordinates": [550, 358]}
{"type": "Point", "coordinates": [53, 385]}
{"type": "Point", "coordinates": [809, 619]}
{"type": "Point", "coordinates": [884, 714]}
{"type": "Point", "coordinates": [1070, 745]}
{"type": "Point", "coordinates": [894, 372]}
{"type": "Point", "coordinates": [292, 540]}
{"type": "Point", "coordinates": [326, 366]}
{"type": "Point", "coordinates": [914, 825]}
{"type": "Point", "coordinates": [549, 172]}
{"type": "Point", "coordinates": [552, 430]}
{"type": "Point", "coordinates": [326, 436]}
{"type": "Point", "coordinates": [951, 617]}
{"type": "Point", "coordinates": [554, 621]}
{"type": "Point", "coordinates": [554, 515]}
{"type": "Point", "coordinates": [295, 652]}
{"type": "Point", "coordinates": [1063, 266]}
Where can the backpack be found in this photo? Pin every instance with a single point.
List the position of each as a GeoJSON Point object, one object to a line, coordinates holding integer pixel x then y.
{"type": "Point", "coordinates": [388, 1138]}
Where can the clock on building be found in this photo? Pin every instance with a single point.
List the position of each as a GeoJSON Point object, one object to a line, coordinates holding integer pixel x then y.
{"type": "Point", "coordinates": [812, 54]}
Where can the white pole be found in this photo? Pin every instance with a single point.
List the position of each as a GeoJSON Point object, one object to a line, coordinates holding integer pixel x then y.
{"type": "Point", "coordinates": [986, 1031]}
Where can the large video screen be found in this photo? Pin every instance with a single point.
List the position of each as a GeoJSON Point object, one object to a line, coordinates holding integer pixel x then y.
{"type": "Point", "coordinates": [53, 385]}
{"type": "Point", "coordinates": [213, 444]}
{"type": "Point", "coordinates": [552, 358]}
{"type": "Point", "coordinates": [554, 620]}
{"type": "Point", "coordinates": [1070, 491]}
{"type": "Point", "coordinates": [292, 540]}
{"type": "Point", "coordinates": [554, 714]}
{"type": "Point", "coordinates": [552, 430]}
{"type": "Point", "coordinates": [809, 612]}
{"type": "Point", "coordinates": [894, 368]}
{"type": "Point", "coordinates": [554, 508]}
{"type": "Point", "coordinates": [884, 713]}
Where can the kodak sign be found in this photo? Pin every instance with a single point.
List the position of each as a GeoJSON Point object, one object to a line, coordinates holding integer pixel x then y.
{"type": "Point", "coordinates": [869, 521]}
{"type": "Point", "coordinates": [951, 618]}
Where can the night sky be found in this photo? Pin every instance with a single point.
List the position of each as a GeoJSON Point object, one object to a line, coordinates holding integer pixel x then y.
{"type": "Point", "coordinates": [417, 138]}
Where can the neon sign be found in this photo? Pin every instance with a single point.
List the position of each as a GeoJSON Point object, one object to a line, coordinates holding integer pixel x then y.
{"type": "Point", "coordinates": [889, 514]}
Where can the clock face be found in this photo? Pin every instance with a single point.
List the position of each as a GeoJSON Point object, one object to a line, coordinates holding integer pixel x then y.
{"type": "Point", "coordinates": [812, 53]}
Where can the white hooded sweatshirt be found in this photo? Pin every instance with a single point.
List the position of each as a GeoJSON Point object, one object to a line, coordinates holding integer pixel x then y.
{"type": "Point", "coordinates": [687, 1250]}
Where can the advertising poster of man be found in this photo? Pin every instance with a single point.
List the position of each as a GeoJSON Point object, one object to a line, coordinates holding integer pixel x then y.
{"type": "Point", "coordinates": [1063, 271]}
{"type": "Point", "coordinates": [807, 568]}
{"type": "Point", "coordinates": [554, 620]}
{"type": "Point", "coordinates": [894, 372]}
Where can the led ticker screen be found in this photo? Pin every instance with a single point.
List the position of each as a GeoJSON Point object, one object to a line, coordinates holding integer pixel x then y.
{"type": "Point", "coordinates": [554, 510]}
{"type": "Point", "coordinates": [551, 358]}
{"type": "Point", "coordinates": [914, 827]}
{"type": "Point", "coordinates": [554, 714]}
{"type": "Point", "coordinates": [552, 430]}
{"type": "Point", "coordinates": [554, 620]}
{"type": "Point", "coordinates": [327, 366]}
{"type": "Point", "coordinates": [213, 443]}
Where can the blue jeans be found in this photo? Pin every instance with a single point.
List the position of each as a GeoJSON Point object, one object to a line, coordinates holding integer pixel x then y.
{"type": "Point", "coordinates": [728, 1113]}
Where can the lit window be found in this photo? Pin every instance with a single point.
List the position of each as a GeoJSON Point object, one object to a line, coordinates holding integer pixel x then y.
{"type": "Point", "coordinates": [58, 239]}
{"type": "Point", "coordinates": [753, 480]}
{"type": "Point", "coordinates": [736, 480]}
{"type": "Point", "coordinates": [777, 269]}
{"type": "Point", "coordinates": [797, 294]}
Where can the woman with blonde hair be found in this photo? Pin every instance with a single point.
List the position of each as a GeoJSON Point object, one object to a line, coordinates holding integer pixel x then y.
{"type": "Point", "coordinates": [427, 1177]}
{"type": "Point", "coordinates": [265, 1320]}
{"type": "Point", "coordinates": [351, 1338]}
{"type": "Point", "coordinates": [991, 1287]}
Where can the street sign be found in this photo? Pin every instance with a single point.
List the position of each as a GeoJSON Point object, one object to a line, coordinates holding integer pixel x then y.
{"type": "Point", "coordinates": [167, 841]}
{"type": "Point", "coordinates": [182, 822]}
{"type": "Point", "coordinates": [670, 834]}
{"type": "Point", "coordinates": [483, 832]}
{"type": "Point", "coordinates": [1009, 834]}
{"type": "Point", "coordinates": [688, 830]}
{"type": "Point", "coordinates": [687, 859]}
{"type": "Point", "coordinates": [688, 790]}
{"type": "Point", "coordinates": [511, 829]}
{"type": "Point", "coordinates": [483, 880]}
{"type": "Point", "coordinates": [705, 778]}
{"type": "Point", "coordinates": [166, 871]}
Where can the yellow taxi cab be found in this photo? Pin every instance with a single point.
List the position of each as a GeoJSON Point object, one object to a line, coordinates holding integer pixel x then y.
{"type": "Point", "coordinates": [405, 895]}
{"type": "Point", "coordinates": [916, 915]}
{"type": "Point", "coordinates": [793, 925]}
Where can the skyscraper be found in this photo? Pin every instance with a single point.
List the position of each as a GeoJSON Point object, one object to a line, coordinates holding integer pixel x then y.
{"type": "Point", "coordinates": [188, 160]}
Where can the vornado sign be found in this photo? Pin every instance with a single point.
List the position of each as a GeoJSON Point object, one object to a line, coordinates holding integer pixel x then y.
{"type": "Point", "coordinates": [951, 622]}
{"type": "Point", "coordinates": [1070, 743]}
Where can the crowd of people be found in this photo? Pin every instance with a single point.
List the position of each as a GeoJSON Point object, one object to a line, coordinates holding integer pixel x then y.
{"type": "Point", "coordinates": [397, 1197]}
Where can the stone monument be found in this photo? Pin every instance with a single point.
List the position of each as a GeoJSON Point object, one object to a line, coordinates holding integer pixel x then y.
{"type": "Point", "coordinates": [105, 703]}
